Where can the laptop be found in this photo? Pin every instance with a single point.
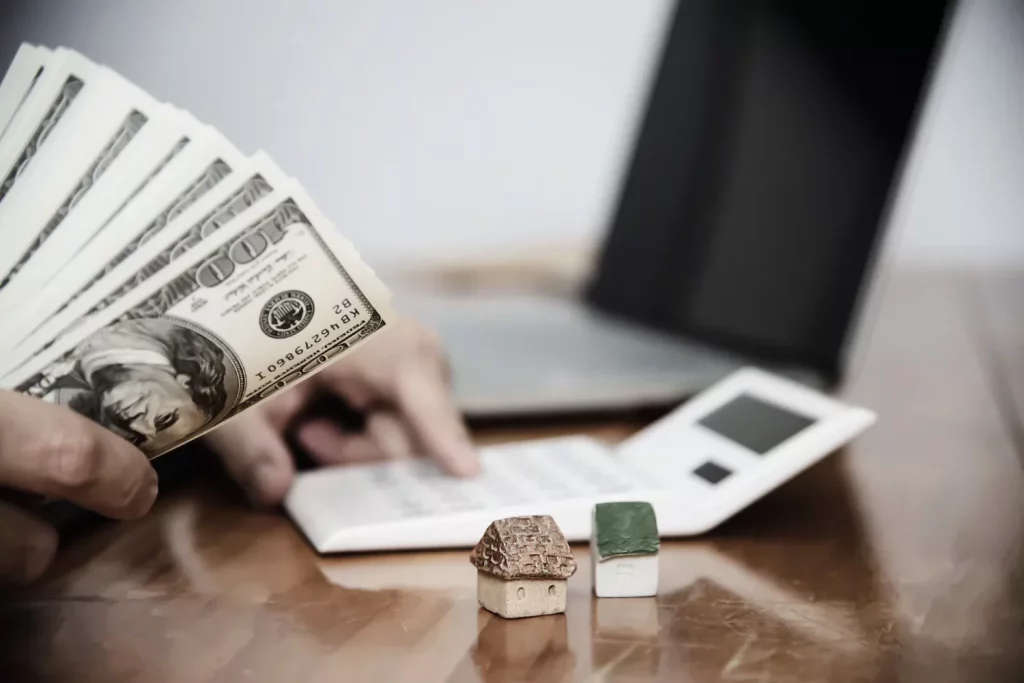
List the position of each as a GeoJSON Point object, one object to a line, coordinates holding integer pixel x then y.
{"type": "Point", "coordinates": [747, 221]}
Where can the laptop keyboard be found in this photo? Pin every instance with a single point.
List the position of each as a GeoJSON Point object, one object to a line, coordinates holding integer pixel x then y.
{"type": "Point", "coordinates": [518, 346]}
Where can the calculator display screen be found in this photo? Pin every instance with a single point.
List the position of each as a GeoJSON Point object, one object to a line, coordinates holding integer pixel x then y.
{"type": "Point", "coordinates": [754, 424]}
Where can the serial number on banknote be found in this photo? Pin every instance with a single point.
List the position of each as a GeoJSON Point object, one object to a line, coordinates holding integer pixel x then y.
{"type": "Point", "coordinates": [346, 314]}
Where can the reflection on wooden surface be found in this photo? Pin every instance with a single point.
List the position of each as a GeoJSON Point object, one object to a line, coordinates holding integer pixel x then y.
{"type": "Point", "coordinates": [520, 649]}
{"type": "Point", "coordinates": [898, 559]}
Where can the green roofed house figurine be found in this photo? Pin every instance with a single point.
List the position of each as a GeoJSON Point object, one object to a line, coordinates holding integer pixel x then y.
{"type": "Point", "coordinates": [624, 548]}
{"type": "Point", "coordinates": [523, 564]}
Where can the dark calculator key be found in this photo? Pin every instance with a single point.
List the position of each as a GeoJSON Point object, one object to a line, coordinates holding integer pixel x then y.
{"type": "Point", "coordinates": [712, 472]}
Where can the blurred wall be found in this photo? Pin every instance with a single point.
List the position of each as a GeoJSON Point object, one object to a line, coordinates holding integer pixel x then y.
{"type": "Point", "coordinates": [428, 129]}
{"type": "Point", "coordinates": [420, 127]}
{"type": "Point", "coordinates": [962, 197]}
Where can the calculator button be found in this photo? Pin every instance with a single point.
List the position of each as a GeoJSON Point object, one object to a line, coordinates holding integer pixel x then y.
{"type": "Point", "coordinates": [712, 472]}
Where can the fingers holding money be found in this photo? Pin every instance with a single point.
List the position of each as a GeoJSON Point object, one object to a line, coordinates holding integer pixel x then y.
{"type": "Point", "coordinates": [193, 282]}
{"type": "Point", "coordinates": [54, 452]}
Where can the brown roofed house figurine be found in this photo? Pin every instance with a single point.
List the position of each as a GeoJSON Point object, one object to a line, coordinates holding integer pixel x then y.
{"type": "Point", "coordinates": [523, 564]}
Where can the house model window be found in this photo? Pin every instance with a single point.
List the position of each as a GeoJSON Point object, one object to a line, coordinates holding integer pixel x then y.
{"type": "Point", "coordinates": [624, 547]}
{"type": "Point", "coordinates": [523, 564]}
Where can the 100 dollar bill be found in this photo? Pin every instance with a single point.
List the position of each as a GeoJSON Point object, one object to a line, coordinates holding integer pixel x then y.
{"type": "Point", "coordinates": [156, 247]}
{"type": "Point", "coordinates": [267, 301]}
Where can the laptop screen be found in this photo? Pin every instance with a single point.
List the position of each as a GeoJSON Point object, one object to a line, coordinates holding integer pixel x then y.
{"type": "Point", "coordinates": [761, 172]}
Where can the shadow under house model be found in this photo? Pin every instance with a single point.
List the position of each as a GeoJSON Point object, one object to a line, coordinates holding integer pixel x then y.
{"type": "Point", "coordinates": [523, 564]}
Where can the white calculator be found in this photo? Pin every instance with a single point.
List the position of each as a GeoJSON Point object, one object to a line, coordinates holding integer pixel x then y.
{"type": "Point", "coordinates": [701, 464]}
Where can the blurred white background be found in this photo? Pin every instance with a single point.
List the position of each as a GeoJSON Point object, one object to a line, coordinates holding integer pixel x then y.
{"type": "Point", "coordinates": [427, 130]}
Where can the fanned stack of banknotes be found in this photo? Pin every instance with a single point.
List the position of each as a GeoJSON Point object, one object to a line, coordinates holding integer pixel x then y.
{"type": "Point", "coordinates": [153, 277]}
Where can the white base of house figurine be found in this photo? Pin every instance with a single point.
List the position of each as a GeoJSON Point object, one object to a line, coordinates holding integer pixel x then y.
{"type": "Point", "coordinates": [522, 598]}
{"type": "Point", "coordinates": [631, 576]}
{"type": "Point", "coordinates": [624, 546]}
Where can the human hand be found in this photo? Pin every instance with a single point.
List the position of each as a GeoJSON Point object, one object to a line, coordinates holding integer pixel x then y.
{"type": "Point", "coordinates": [399, 382]}
{"type": "Point", "coordinates": [52, 451]}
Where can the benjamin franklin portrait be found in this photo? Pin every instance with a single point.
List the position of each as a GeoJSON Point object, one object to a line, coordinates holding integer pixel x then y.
{"type": "Point", "coordinates": [152, 381]}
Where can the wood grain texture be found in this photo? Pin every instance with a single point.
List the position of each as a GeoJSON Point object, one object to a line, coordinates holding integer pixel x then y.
{"type": "Point", "coordinates": [898, 559]}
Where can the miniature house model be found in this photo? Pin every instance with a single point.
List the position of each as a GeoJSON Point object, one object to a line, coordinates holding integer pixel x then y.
{"type": "Point", "coordinates": [624, 550]}
{"type": "Point", "coordinates": [523, 564]}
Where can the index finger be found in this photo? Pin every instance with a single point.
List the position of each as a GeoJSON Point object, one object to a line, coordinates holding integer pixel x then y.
{"type": "Point", "coordinates": [427, 406]}
{"type": "Point", "coordinates": [55, 452]}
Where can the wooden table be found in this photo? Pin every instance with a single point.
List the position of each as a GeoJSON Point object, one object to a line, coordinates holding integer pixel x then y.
{"type": "Point", "coordinates": [896, 560]}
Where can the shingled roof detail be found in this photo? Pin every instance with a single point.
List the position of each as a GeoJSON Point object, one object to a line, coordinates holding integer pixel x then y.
{"type": "Point", "coordinates": [524, 548]}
